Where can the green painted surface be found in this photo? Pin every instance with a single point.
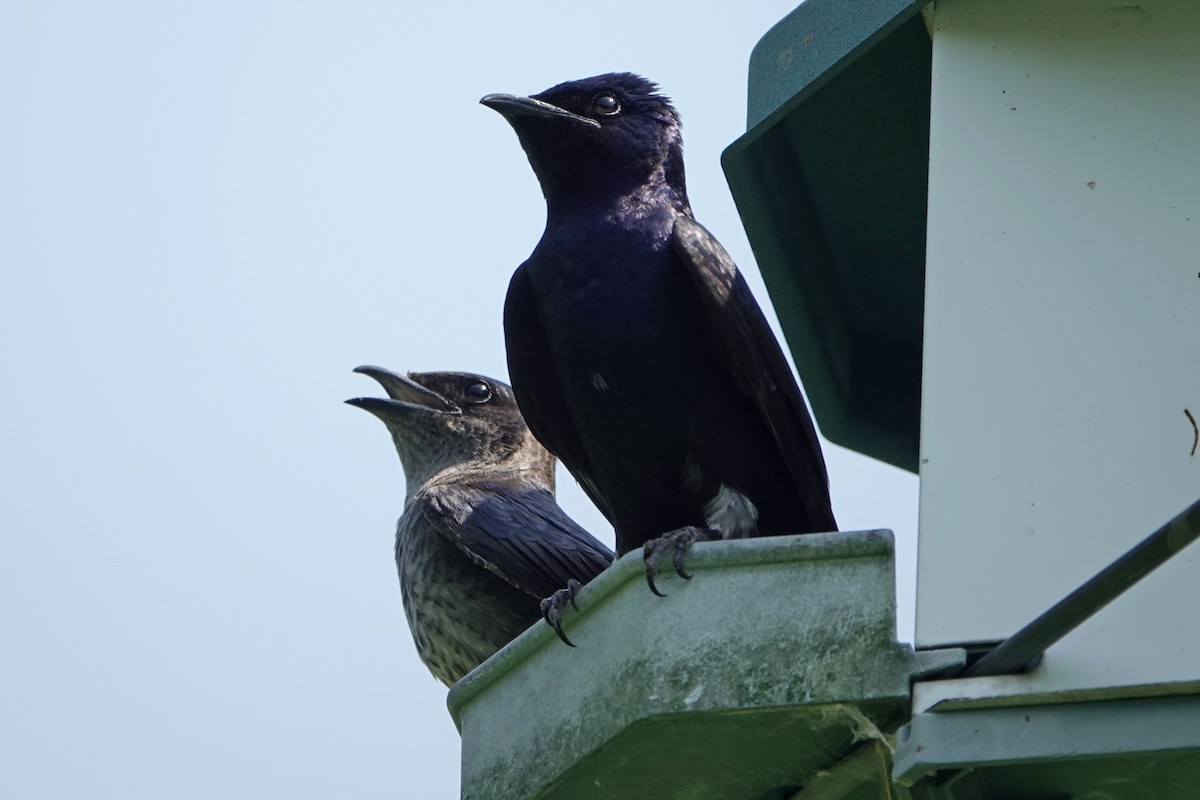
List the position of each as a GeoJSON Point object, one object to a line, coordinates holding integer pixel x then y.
{"type": "Point", "coordinates": [831, 183]}
{"type": "Point", "coordinates": [811, 45]}
{"type": "Point", "coordinates": [1132, 749]}
{"type": "Point", "coordinates": [765, 668]}
{"type": "Point", "coordinates": [865, 774]}
{"type": "Point", "coordinates": [720, 755]}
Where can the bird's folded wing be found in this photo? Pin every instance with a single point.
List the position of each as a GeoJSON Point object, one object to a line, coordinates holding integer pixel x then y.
{"type": "Point", "coordinates": [753, 357]}
{"type": "Point", "coordinates": [520, 534]}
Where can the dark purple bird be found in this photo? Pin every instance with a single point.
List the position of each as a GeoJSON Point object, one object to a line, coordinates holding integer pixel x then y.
{"type": "Point", "coordinates": [637, 353]}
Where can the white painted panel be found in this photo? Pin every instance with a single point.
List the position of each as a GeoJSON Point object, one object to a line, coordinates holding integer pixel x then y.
{"type": "Point", "coordinates": [1062, 339]}
{"type": "Point", "coordinates": [1142, 645]}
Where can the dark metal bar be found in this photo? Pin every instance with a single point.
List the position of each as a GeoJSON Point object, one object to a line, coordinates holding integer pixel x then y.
{"type": "Point", "coordinates": [1023, 650]}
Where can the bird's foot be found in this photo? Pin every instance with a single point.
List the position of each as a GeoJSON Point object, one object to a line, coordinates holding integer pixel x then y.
{"type": "Point", "coordinates": [677, 543]}
{"type": "Point", "coordinates": [554, 605]}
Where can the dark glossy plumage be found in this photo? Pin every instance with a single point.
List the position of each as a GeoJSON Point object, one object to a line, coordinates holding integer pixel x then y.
{"type": "Point", "coordinates": [481, 539]}
{"type": "Point", "coordinates": [637, 353]}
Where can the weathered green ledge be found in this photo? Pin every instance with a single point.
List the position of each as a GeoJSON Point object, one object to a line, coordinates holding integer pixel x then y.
{"type": "Point", "coordinates": [773, 663]}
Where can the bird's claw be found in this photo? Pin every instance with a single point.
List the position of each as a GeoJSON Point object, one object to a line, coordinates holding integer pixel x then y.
{"type": "Point", "coordinates": [677, 542]}
{"type": "Point", "coordinates": [552, 607]}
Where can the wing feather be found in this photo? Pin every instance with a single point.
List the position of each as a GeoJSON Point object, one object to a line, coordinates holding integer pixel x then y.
{"type": "Point", "coordinates": [756, 363]}
{"type": "Point", "coordinates": [519, 533]}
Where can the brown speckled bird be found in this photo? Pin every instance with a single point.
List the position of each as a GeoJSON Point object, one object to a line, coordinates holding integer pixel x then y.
{"type": "Point", "coordinates": [481, 539]}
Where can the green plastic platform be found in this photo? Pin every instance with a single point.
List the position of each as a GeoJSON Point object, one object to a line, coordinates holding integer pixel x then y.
{"type": "Point", "coordinates": [1132, 749]}
{"type": "Point", "coordinates": [768, 669]}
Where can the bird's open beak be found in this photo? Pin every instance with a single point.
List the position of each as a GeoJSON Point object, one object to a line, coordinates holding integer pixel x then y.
{"type": "Point", "coordinates": [404, 395]}
{"type": "Point", "coordinates": [511, 106]}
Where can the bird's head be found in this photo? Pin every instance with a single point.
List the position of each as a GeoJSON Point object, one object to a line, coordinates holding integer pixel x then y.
{"type": "Point", "coordinates": [600, 140]}
{"type": "Point", "coordinates": [455, 424]}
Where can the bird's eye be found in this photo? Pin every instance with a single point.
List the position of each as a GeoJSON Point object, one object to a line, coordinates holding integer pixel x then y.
{"type": "Point", "coordinates": [606, 104]}
{"type": "Point", "coordinates": [477, 392]}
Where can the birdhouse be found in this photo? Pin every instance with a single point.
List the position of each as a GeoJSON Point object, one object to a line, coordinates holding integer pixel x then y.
{"type": "Point", "coordinates": [979, 226]}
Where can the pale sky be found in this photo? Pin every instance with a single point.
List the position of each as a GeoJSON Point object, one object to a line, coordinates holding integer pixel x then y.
{"type": "Point", "coordinates": [209, 214]}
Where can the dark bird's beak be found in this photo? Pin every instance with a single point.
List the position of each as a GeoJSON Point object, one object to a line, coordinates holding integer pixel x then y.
{"type": "Point", "coordinates": [404, 395]}
{"type": "Point", "coordinates": [511, 107]}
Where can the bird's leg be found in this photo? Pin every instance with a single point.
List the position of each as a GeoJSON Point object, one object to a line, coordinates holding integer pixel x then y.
{"type": "Point", "coordinates": [677, 542]}
{"type": "Point", "coordinates": [554, 605]}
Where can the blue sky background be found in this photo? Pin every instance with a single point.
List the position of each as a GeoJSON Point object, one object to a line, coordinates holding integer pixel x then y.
{"type": "Point", "coordinates": [209, 214]}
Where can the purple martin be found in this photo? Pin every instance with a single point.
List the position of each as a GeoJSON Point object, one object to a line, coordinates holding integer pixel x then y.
{"type": "Point", "coordinates": [481, 539]}
{"type": "Point", "coordinates": [636, 350]}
